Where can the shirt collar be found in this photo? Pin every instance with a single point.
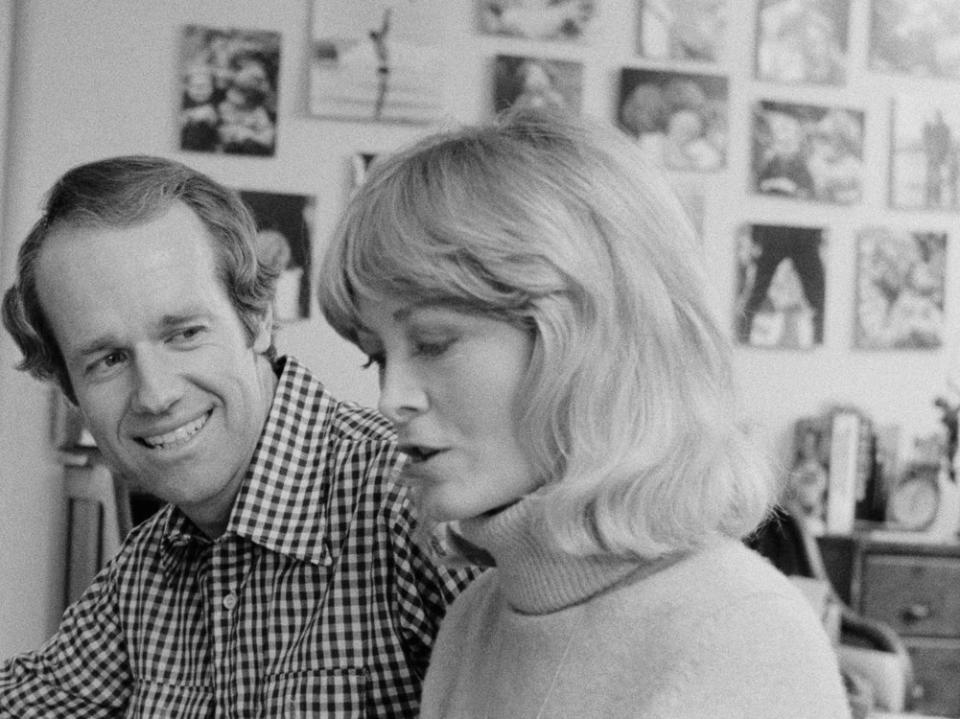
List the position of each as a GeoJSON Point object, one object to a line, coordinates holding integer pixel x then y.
{"type": "Point", "coordinates": [277, 487]}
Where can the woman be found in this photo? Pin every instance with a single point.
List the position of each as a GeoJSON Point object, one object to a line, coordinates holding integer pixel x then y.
{"type": "Point", "coordinates": [533, 299]}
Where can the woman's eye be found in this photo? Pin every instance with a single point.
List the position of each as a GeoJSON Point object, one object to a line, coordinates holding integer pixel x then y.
{"type": "Point", "coordinates": [187, 333]}
{"type": "Point", "coordinates": [374, 360]}
{"type": "Point", "coordinates": [433, 348]}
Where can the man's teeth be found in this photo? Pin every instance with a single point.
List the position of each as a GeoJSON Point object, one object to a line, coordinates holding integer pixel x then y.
{"type": "Point", "coordinates": [178, 436]}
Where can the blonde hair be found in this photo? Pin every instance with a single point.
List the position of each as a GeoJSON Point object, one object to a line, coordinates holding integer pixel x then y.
{"type": "Point", "coordinates": [559, 225]}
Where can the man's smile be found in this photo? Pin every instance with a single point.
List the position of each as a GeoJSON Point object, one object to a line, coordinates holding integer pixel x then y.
{"type": "Point", "coordinates": [177, 437]}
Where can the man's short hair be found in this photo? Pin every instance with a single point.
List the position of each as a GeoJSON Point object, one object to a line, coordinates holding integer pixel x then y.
{"type": "Point", "coordinates": [123, 192]}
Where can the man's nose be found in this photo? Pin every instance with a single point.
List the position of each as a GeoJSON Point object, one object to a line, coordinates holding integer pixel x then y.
{"type": "Point", "coordinates": [158, 385]}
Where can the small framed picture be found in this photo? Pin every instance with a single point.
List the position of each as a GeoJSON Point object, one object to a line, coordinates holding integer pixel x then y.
{"type": "Point", "coordinates": [802, 42]}
{"type": "Point", "coordinates": [284, 224]}
{"type": "Point", "coordinates": [679, 119]}
{"type": "Point", "coordinates": [916, 38]}
{"type": "Point", "coordinates": [781, 286]}
{"type": "Point", "coordinates": [376, 60]}
{"type": "Point", "coordinates": [807, 152]}
{"type": "Point", "coordinates": [522, 81]}
{"type": "Point", "coordinates": [681, 29]}
{"type": "Point", "coordinates": [568, 20]}
{"type": "Point", "coordinates": [924, 153]}
{"type": "Point", "coordinates": [228, 101]}
{"type": "Point", "coordinates": [900, 289]}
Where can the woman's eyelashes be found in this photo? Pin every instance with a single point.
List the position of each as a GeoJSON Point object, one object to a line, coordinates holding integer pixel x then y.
{"type": "Point", "coordinates": [431, 348]}
{"type": "Point", "coordinates": [374, 359]}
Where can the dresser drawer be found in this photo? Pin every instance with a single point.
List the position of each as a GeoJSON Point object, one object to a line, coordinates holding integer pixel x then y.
{"type": "Point", "coordinates": [916, 595]}
{"type": "Point", "coordinates": [936, 668]}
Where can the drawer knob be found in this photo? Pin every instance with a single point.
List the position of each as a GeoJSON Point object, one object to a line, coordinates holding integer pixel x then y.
{"type": "Point", "coordinates": [916, 612]}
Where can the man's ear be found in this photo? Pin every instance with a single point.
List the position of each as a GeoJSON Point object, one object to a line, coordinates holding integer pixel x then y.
{"type": "Point", "coordinates": [265, 327]}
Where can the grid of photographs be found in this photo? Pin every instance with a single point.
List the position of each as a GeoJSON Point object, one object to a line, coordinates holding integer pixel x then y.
{"type": "Point", "coordinates": [379, 62]}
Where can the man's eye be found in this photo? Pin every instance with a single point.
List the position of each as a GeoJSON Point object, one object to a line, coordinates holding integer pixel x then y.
{"type": "Point", "coordinates": [106, 362]}
{"type": "Point", "coordinates": [114, 358]}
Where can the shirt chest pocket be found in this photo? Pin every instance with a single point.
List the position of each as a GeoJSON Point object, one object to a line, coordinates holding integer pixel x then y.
{"type": "Point", "coordinates": [324, 693]}
{"type": "Point", "coordinates": [153, 700]}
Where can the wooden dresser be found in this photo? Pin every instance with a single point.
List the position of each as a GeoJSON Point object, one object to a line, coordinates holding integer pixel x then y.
{"type": "Point", "coordinates": [914, 587]}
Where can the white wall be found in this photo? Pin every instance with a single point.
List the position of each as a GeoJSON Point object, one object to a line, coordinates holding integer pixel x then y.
{"type": "Point", "coordinates": [99, 78]}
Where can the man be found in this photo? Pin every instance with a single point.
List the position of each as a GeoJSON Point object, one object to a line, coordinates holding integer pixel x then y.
{"type": "Point", "coordinates": [282, 579]}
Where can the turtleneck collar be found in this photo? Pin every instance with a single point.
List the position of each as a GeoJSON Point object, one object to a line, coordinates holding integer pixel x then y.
{"type": "Point", "coordinates": [535, 576]}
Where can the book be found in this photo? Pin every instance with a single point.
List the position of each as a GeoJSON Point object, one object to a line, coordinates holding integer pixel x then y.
{"type": "Point", "coordinates": [844, 472]}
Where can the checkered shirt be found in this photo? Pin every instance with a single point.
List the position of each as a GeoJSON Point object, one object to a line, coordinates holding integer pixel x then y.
{"type": "Point", "coordinates": [315, 602]}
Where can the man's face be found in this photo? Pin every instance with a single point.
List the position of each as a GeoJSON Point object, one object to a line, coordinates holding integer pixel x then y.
{"type": "Point", "coordinates": [164, 373]}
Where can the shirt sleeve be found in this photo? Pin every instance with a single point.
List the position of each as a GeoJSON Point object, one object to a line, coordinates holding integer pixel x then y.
{"type": "Point", "coordinates": [82, 671]}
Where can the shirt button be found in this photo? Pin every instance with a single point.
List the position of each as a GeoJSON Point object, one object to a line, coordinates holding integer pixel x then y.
{"type": "Point", "coordinates": [230, 601]}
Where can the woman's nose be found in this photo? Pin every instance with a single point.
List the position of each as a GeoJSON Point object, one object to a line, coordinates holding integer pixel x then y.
{"type": "Point", "coordinates": [402, 394]}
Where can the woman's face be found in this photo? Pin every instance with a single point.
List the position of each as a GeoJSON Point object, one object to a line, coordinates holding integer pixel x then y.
{"type": "Point", "coordinates": [449, 382]}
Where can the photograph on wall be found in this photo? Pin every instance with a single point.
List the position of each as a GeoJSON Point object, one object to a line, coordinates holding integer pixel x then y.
{"type": "Point", "coordinates": [520, 81]}
{"type": "Point", "coordinates": [681, 29]}
{"type": "Point", "coordinates": [900, 289]}
{"type": "Point", "coordinates": [568, 20]}
{"type": "Point", "coordinates": [781, 286]}
{"type": "Point", "coordinates": [802, 41]}
{"type": "Point", "coordinates": [228, 99]}
{"type": "Point", "coordinates": [679, 119]}
{"type": "Point", "coordinates": [920, 38]}
{"type": "Point", "coordinates": [376, 60]}
{"type": "Point", "coordinates": [924, 153]}
{"type": "Point", "coordinates": [807, 152]}
{"type": "Point", "coordinates": [284, 224]}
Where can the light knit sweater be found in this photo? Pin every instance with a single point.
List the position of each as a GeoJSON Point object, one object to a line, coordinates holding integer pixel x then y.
{"type": "Point", "coordinates": [717, 634]}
